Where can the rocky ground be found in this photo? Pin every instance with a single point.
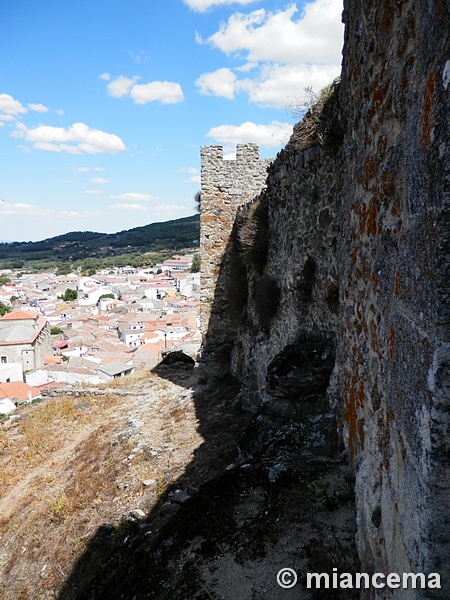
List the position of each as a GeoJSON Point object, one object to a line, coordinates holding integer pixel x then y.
{"type": "Point", "coordinates": [165, 488]}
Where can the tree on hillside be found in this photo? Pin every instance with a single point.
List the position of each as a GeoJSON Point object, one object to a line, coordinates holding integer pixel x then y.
{"type": "Point", "coordinates": [198, 199]}
{"type": "Point", "coordinates": [64, 268]}
{"type": "Point", "coordinates": [4, 309]}
{"type": "Point", "coordinates": [195, 268]}
{"type": "Point", "coordinates": [69, 295]}
{"type": "Point", "coordinates": [103, 296]}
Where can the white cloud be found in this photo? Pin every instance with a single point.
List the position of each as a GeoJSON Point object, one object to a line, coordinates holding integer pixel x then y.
{"type": "Point", "coordinates": [194, 179]}
{"type": "Point", "coordinates": [218, 83]}
{"type": "Point", "coordinates": [166, 92]}
{"type": "Point", "coordinates": [31, 212]}
{"type": "Point", "coordinates": [194, 174]}
{"type": "Point", "coordinates": [247, 67]}
{"type": "Point", "coordinates": [87, 169]}
{"type": "Point", "coordinates": [50, 147]}
{"type": "Point", "coordinates": [134, 197]}
{"type": "Point", "coordinates": [23, 210]}
{"type": "Point", "coordinates": [11, 109]}
{"type": "Point", "coordinates": [40, 108]}
{"type": "Point", "coordinates": [279, 83]}
{"type": "Point", "coordinates": [129, 206]}
{"type": "Point", "coordinates": [99, 180]}
{"type": "Point", "coordinates": [273, 135]}
{"type": "Point", "coordinates": [285, 50]}
{"type": "Point", "coordinates": [121, 86]}
{"type": "Point", "coordinates": [105, 76]}
{"type": "Point", "coordinates": [140, 58]}
{"type": "Point", "coordinates": [190, 170]}
{"type": "Point", "coordinates": [316, 37]}
{"type": "Point", "coordinates": [203, 5]}
{"type": "Point", "coordinates": [76, 214]}
{"type": "Point", "coordinates": [10, 106]}
{"type": "Point", "coordinates": [76, 139]}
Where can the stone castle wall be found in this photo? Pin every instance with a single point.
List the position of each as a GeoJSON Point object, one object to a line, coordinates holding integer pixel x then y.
{"type": "Point", "coordinates": [225, 185]}
{"type": "Point", "coordinates": [393, 350]}
{"type": "Point", "coordinates": [358, 248]}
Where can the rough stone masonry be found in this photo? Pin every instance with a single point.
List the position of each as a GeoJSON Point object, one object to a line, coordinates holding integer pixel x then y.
{"type": "Point", "coordinates": [355, 246]}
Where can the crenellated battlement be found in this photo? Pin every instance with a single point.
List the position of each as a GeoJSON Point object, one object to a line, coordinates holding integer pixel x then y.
{"type": "Point", "coordinates": [244, 153]}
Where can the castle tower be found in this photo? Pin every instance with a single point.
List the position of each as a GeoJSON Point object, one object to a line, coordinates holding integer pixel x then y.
{"type": "Point", "coordinates": [225, 185]}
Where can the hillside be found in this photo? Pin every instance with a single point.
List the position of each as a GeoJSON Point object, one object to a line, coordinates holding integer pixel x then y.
{"type": "Point", "coordinates": [155, 489]}
{"type": "Point", "coordinates": [77, 245]}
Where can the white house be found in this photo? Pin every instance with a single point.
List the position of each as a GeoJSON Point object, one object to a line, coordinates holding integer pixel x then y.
{"type": "Point", "coordinates": [11, 371]}
{"type": "Point", "coordinates": [91, 296]}
{"type": "Point", "coordinates": [132, 334]}
{"type": "Point", "coordinates": [24, 337]}
{"type": "Point", "coordinates": [6, 406]}
{"type": "Point", "coordinates": [110, 371]}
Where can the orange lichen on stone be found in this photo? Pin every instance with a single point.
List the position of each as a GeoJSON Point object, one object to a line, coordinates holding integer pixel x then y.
{"type": "Point", "coordinates": [374, 278]}
{"type": "Point", "coordinates": [377, 99]}
{"type": "Point", "coordinates": [374, 337]}
{"type": "Point", "coordinates": [391, 341]}
{"type": "Point", "coordinates": [362, 217]}
{"type": "Point", "coordinates": [397, 285]}
{"type": "Point", "coordinates": [361, 394]}
{"type": "Point", "coordinates": [368, 217]}
{"type": "Point", "coordinates": [372, 217]}
{"type": "Point", "coordinates": [428, 104]}
{"type": "Point", "coordinates": [370, 168]}
{"type": "Point", "coordinates": [388, 16]}
{"type": "Point", "coordinates": [382, 145]}
{"type": "Point", "coordinates": [350, 416]}
{"type": "Point", "coordinates": [388, 183]}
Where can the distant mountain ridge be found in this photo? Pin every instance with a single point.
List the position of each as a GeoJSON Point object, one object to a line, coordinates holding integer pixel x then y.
{"type": "Point", "coordinates": [170, 235]}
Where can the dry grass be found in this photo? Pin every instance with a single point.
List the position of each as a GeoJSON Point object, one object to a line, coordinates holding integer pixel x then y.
{"type": "Point", "coordinates": [44, 429]}
{"type": "Point", "coordinates": [130, 380]}
{"type": "Point", "coordinates": [318, 125]}
{"type": "Point", "coordinates": [66, 469]}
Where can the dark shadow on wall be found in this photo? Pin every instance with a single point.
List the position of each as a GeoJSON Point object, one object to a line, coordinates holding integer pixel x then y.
{"type": "Point", "coordinates": [266, 489]}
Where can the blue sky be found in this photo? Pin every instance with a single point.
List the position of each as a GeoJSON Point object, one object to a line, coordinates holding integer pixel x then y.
{"type": "Point", "coordinates": [104, 104]}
